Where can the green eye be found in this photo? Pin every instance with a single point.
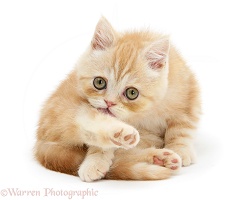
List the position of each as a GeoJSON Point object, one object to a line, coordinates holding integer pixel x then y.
{"type": "Point", "coordinates": [99, 83]}
{"type": "Point", "coordinates": [131, 93]}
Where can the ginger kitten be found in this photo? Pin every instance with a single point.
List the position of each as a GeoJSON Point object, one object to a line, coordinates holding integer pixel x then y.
{"type": "Point", "coordinates": [127, 111]}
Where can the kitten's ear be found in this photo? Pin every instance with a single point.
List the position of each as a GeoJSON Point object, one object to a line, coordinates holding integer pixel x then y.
{"type": "Point", "coordinates": [157, 53]}
{"type": "Point", "coordinates": [104, 35]}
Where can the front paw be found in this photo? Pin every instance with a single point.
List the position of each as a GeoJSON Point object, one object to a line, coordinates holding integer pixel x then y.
{"type": "Point", "coordinates": [94, 169]}
{"type": "Point", "coordinates": [125, 136]}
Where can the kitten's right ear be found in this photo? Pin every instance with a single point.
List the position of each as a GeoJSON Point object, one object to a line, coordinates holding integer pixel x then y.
{"type": "Point", "coordinates": [104, 35]}
{"type": "Point", "coordinates": [157, 53]}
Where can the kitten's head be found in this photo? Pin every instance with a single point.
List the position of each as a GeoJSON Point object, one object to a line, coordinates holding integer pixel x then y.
{"type": "Point", "coordinates": [124, 75]}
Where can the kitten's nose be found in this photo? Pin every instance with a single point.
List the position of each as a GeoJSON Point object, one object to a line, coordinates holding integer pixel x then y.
{"type": "Point", "coordinates": [109, 103]}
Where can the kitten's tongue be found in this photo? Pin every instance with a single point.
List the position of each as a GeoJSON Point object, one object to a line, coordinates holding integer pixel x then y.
{"type": "Point", "coordinates": [105, 111]}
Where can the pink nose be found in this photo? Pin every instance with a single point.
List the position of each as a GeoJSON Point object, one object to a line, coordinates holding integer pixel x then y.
{"type": "Point", "coordinates": [109, 103]}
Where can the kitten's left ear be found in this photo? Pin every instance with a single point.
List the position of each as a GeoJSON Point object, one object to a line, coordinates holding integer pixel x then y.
{"type": "Point", "coordinates": [104, 35]}
{"type": "Point", "coordinates": [157, 53]}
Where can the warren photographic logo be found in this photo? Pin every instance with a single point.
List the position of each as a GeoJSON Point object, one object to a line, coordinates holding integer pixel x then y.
{"type": "Point", "coordinates": [49, 192]}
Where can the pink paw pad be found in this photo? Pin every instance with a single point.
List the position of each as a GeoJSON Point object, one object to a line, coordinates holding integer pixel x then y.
{"type": "Point", "coordinates": [174, 167]}
{"type": "Point", "coordinates": [126, 138]}
{"type": "Point", "coordinates": [158, 161]}
{"type": "Point", "coordinates": [174, 161]}
{"type": "Point", "coordinates": [116, 135]}
{"type": "Point", "coordinates": [168, 159]}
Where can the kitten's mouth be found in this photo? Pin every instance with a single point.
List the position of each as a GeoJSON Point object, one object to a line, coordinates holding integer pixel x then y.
{"type": "Point", "coordinates": [106, 111]}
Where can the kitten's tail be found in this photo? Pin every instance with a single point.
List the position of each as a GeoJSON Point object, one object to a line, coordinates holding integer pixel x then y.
{"type": "Point", "coordinates": [138, 171]}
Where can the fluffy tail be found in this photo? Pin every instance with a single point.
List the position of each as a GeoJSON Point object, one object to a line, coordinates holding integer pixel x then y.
{"type": "Point", "coordinates": [59, 158]}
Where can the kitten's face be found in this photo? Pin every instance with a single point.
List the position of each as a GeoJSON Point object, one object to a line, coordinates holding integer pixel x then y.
{"type": "Point", "coordinates": [123, 77]}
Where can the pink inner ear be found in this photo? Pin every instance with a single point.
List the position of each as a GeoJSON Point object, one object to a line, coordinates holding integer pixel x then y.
{"type": "Point", "coordinates": [157, 52]}
{"type": "Point", "coordinates": [156, 59]}
{"type": "Point", "coordinates": [98, 42]}
{"type": "Point", "coordinates": [103, 36]}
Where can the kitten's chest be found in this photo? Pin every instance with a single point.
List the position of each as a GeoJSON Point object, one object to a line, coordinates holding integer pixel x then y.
{"type": "Point", "coordinates": [152, 132]}
{"type": "Point", "coordinates": [154, 125]}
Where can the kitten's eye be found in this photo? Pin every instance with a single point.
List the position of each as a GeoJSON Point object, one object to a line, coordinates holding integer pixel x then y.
{"type": "Point", "coordinates": [131, 93]}
{"type": "Point", "coordinates": [99, 83]}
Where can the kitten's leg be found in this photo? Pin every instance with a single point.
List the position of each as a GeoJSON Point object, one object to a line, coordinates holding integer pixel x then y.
{"type": "Point", "coordinates": [103, 134]}
{"type": "Point", "coordinates": [96, 164]}
{"type": "Point", "coordinates": [179, 138]}
{"type": "Point", "coordinates": [144, 164]}
{"type": "Point", "coordinates": [106, 132]}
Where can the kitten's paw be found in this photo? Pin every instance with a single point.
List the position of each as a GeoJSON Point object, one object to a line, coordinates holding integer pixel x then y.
{"type": "Point", "coordinates": [187, 155]}
{"type": "Point", "coordinates": [167, 158]}
{"type": "Point", "coordinates": [127, 137]}
{"type": "Point", "coordinates": [94, 169]}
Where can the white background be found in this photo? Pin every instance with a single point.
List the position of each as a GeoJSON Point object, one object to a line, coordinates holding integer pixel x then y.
{"type": "Point", "coordinates": [40, 42]}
